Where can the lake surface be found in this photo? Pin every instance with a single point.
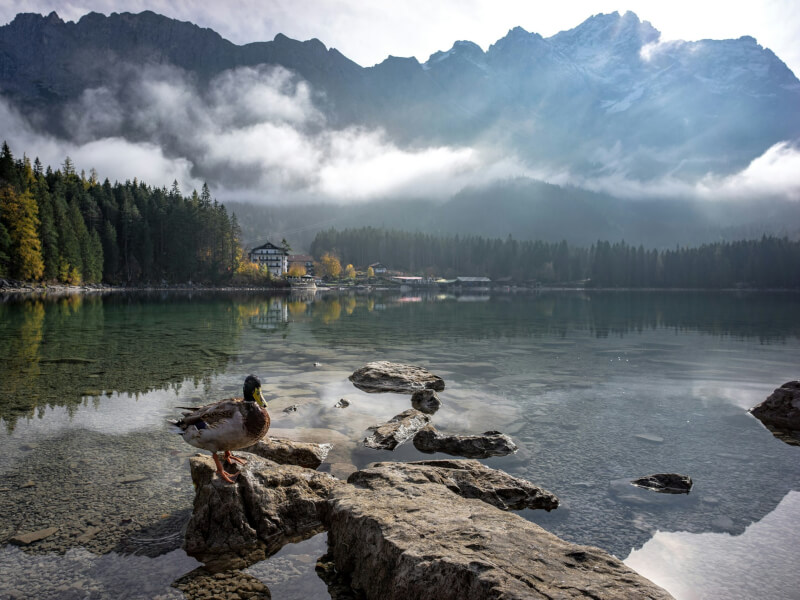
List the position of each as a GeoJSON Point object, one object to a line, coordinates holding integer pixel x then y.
{"type": "Point", "coordinates": [596, 389]}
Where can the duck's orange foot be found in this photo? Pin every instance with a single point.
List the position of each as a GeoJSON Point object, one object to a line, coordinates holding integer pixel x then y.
{"type": "Point", "coordinates": [225, 476]}
{"type": "Point", "coordinates": [234, 459]}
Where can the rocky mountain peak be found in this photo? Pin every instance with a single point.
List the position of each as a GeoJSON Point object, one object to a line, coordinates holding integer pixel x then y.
{"type": "Point", "coordinates": [608, 30]}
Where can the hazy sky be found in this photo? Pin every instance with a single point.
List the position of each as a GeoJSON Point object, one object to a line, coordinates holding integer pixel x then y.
{"type": "Point", "coordinates": [368, 31]}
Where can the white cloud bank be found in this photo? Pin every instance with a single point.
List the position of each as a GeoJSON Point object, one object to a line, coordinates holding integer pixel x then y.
{"type": "Point", "coordinates": [252, 133]}
{"type": "Point", "coordinates": [255, 134]}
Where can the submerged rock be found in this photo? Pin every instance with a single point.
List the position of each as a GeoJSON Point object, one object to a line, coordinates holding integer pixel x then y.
{"type": "Point", "coordinates": [291, 409]}
{"type": "Point", "coordinates": [235, 525]}
{"type": "Point", "coordinates": [342, 403]}
{"type": "Point", "coordinates": [385, 376]}
{"type": "Point", "coordinates": [489, 443]}
{"type": "Point", "coordinates": [202, 584]}
{"type": "Point", "coordinates": [288, 452]}
{"type": "Point", "coordinates": [780, 412]}
{"type": "Point", "coordinates": [667, 483]}
{"type": "Point", "coordinates": [391, 434]}
{"type": "Point", "coordinates": [400, 532]}
{"type": "Point", "coordinates": [426, 401]}
{"type": "Point", "coordinates": [31, 537]}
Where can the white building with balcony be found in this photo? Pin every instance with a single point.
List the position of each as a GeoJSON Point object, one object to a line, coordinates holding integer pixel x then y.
{"type": "Point", "coordinates": [274, 258]}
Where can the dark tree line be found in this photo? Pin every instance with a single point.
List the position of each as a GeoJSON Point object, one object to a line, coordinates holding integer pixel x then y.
{"type": "Point", "coordinates": [766, 263]}
{"type": "Point", "coordinates": [62, 226]}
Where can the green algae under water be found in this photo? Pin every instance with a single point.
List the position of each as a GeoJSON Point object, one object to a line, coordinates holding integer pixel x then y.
{"type": "Point", "coordinates": [596, 389]}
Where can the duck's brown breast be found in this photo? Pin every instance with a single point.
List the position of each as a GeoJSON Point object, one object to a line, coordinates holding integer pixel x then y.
{"type": "Point", "coordinates": [257, 422]}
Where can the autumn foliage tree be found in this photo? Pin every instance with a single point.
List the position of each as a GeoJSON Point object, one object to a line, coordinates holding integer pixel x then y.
{"type": "Point", "coordinates": [20, 218]}
{"type": "Point", "coordinates": [296, 270]}
{"type": "Point", "coordinates": [329, 266]}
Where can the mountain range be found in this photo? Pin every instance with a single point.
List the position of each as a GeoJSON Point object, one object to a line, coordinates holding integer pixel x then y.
{"type": "Point", "coordinates": [607, 99]}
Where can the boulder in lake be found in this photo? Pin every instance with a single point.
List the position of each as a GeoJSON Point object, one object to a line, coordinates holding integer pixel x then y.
{"type": "Point", "coordinates": [399, 531]}
{"type": "Point", "coordinates": [391, 434]}
{"type": "Point", "coordinates": [288, 452]}
{"type": "Point", "coordinates": [667, 483]}
{"type": "Point", "coordinates": [489, 443]}
{"type": "Point", "coordinates": [426, 401]}
{"type": "Point", "coordinates": [385, 376]}
{"type": "Point", "coordinates": [235, 525]}
{"type": "Point", "coordinates": [781, 409]}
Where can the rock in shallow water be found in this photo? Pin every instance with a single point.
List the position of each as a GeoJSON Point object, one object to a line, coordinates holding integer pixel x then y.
{"type": "Point", "coordinates": [391, 434]}
{"type": "Point", "coordinates": [668, 483]}
{"type": "Point", "coordinates": [385, 376]}
{"type": "Point", "coordinates": [489, 443]}
{"type": "Point", "coordinates": [426, 401]}
{"type": "Point", "coordinates": [466, 478]}
{"type": "Point", "coordinates": [781, 409]}
{"type": "Point", "coordinates": [424, 530]}
{"type": "Point", "coordinates": [400, 532]}
{"type": "Point", "coordinates": [236, 525]}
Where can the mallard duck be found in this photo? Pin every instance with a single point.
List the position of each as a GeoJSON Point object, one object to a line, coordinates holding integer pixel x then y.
{"type": "Point", "coordinates": [227, 425]}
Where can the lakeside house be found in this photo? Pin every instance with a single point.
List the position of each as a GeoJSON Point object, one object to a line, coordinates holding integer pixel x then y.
{"type": "Point", "coordinates": [274, 258]}
{"type": "Point", "coordinates": [378, 268]}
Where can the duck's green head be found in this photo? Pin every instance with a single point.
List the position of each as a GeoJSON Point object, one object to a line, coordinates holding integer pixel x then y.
{"type": "Point", "coordinates": [252, 390]}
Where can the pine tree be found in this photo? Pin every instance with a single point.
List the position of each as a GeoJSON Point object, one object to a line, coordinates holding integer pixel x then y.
{"type": "Point", "coordinates": [70, 263]}
{"type": "Point", "coordinates": [48, 234]}
{"type": "Point", "coordinates": [110, 252]}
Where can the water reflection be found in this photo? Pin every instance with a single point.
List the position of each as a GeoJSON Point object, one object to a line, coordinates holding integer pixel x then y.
{"type": "Point", "coordinates": [681, 562]}
{"type": "Point", "coordinates": [765, 317]}
{"type": "Point", "coordinates": [57, 352]}
{"type": "Point", "coordinates": [573, 378]}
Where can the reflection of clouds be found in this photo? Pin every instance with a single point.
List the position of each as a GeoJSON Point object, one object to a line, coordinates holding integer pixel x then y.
{"type": "Point", "coordinates": [118, 414]}
{"type": "Point", "coordinates": [107, 576]}
{"type": "Point", "coordinates": [742, 394]}
{"type": "Point", "coordinates": [718, 565]}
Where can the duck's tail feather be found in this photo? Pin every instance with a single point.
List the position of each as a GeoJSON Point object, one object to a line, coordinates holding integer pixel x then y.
{"type": "Point", "coordinates": [176, 426]}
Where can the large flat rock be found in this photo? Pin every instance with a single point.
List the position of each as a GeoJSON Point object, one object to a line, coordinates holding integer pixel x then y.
{"type": "Point", "coordinates": [385, 376]}
{"type": "Point", "coordinates": [397, 537]}
{"type": "Point", "coordinates": [466, 478]}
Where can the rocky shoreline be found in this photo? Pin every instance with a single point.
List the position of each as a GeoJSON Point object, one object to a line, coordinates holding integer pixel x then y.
{"type": "Point", "coordinates": [13, 287]}
{"type": "Point", "coordinates": [436, 529]}
{"type": "Point", "coordinates": [427, 530]}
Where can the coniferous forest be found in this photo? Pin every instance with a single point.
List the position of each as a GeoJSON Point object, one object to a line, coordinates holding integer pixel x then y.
{"type": "Point", "coordinates": [769, 262]}
{"type": "Point", "coordinates": [62, 226]}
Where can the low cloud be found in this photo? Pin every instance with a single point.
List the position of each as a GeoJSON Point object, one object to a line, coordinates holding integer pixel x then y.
{"type": "Point", "coordinates": [773, 175]}
{"type": "Point", "coordinates": [256, 134]}
{"type": "Point", "coordinates": [112, 157]}
{"type": "Point", "coordinates": [252, 133]}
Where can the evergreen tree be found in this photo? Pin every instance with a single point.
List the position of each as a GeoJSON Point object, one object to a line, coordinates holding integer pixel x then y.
{"type": "Point", "coordinates": [48, 233]}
